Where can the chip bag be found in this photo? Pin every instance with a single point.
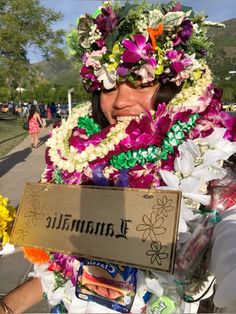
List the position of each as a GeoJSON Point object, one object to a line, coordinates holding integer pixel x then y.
{"type": "Point", "coordinates": [110, 285]}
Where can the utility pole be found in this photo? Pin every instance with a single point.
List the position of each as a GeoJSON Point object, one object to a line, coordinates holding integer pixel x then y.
{"type": "Point", "coordinates": [70, 92]}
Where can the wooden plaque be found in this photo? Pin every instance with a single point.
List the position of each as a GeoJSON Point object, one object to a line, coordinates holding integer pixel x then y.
{"type": "Point", "coordinates": [136, 227]}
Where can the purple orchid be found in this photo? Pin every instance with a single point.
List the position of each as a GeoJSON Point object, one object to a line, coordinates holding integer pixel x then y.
{"type": "Point", "coordinates": [185, 32]}
{"type": "Point", "coordinates": [138, 50]}
{"type": "Point", "coordinates": [87, 73]}
{"type": "Point", "coordinates": [210, 118]}
{"type": "Point", "coordinates": [90, 78]}
{"type": "Point", "coordinates": [47, 157]}
{"type": "Point", "coordinates": [169, 163]}
{"type": "Point", "coordinates": [230, 123]}
{"type": "Point", "coordinates": [140, 134]}
{"type": "Point", "coordinates": [100, 43]}
{"type": "Point", "coordinates": [178, 59]}
{"type": "Point", "coordinates": [48, 173]}
{"type": "Point", "coordinates": [140, 181]}
{"type": "Point", "coordinates": [80, 140]}
{"type": "Point", "coordinates": [69, 265]}
{"type": "Point", "coordinates": [71, 177]}
{"type": "Point", "coordinates": [182, 116]}
{"type": "Point", "coordinates": [106, 21]}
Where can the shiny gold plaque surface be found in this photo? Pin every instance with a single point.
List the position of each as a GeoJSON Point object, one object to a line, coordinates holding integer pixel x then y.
{"type": "Point", "coordinates": [136, 227]}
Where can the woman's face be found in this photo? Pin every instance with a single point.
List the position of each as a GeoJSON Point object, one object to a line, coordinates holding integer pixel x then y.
{"type": "Point", "coordinates": [125, 101]}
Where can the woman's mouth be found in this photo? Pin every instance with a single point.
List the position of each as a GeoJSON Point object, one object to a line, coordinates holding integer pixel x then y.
{"type": "Point", "coordinates": [128, 118]}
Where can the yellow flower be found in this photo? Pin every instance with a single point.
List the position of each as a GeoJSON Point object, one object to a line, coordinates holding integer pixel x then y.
{"type": "Point", "coordinates": [112, 66]}
{"type": "Point", "coordinates": [196, 74]}
{"type": "Point", "coordinates": [7, 214]}
{"type": "Point", "coordinates": [159, 69]}
{"type": "Point", "coordinates": [116, 52]}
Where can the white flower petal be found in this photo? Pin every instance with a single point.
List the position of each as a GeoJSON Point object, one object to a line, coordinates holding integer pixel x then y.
{"type": "Point", "coordinates": [170, 179]}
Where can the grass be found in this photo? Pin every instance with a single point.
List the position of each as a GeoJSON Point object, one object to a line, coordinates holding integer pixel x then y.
{"type": "Point", "coordinates": [11, 132]}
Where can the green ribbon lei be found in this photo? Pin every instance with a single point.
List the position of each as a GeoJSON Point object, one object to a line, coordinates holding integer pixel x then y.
{"type": "Point", "coordinates": [88, 125]}
{"type": "Point", "coordinates": [174, 137]}
{"type": "Point", "coordinates": [57, 177]}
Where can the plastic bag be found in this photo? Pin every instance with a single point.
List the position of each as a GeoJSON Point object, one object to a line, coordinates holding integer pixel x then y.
{"type": "Point", "coordinates": [26, 125]}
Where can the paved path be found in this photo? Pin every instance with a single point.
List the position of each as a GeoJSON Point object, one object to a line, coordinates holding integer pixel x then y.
{"type": "Point", "coordinates": [23, 164]}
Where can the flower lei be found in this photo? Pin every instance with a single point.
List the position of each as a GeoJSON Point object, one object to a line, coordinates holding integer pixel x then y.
{"type": "Point", "coordinates": [68, 158]}
{"type": "Point", "coordinates": [7, 215]}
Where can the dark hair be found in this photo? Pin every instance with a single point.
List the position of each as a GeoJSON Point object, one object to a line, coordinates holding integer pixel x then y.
{"type": "Point", "coordinates": [97, 113]}
{"type": "Point", "coordinates": [31, 112]}
{"type": "Point", "coordinates": [163, 94]}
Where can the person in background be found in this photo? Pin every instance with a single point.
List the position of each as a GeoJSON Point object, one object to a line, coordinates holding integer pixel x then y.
{"type": "Point", "coordinates": [42, 110]}
{"type": "Point", "coordinates": [48, 112]}
{"type": "Point", "coordinates": [34, 121]}
{"type": "Point", "coordinates": [42, 113]}
{"type": "Point", "coordinates": [53, 110]}
{"type": "Point", "coordinates": [25, 109]}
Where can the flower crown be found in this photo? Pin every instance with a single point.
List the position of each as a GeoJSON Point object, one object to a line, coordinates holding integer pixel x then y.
{"type": "Point", "coordinates": [140, 43]}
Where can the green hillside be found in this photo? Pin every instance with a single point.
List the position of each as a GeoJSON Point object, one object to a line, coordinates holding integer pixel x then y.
{"type": "Point", "coordinates": [58, 72]}
{"type": "Point", "coordinates": [224, 51]}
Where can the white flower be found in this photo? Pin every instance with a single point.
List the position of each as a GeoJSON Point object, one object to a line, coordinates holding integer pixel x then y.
{"type": "Point", "coordinates": [108, 78]}
{"type": "Point", "coordinates": [223, 148]}
{"type": "Point", "coordinates": [147, 73]}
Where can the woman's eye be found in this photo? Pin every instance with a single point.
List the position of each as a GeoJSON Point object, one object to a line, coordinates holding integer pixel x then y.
{"type": "Point", "coordinates": [107, 91]}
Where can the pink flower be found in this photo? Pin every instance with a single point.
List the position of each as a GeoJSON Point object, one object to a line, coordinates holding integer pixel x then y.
{"type": "Point", "coordinates": [93, 58]}
{"type": "Point", "coordinates": [137, 50]}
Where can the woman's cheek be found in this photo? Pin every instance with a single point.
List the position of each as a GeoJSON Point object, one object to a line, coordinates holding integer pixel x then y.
{"type": "Point", "coordinates": [147, 101]}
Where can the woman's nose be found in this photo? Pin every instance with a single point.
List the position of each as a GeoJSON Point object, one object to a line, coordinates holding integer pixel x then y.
{"type": "Point", "coordinates": [124, 96]}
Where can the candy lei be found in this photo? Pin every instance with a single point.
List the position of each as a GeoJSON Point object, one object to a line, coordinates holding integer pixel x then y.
{"type": "Point", "coordinates": [68, 158]}
{"type": "Point", "coordinates": [152, 154]}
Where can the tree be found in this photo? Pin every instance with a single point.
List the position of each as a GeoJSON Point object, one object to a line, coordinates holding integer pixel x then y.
{"type": "Point", "coordinates": [228, 94]}
{"type": "Point", "coordinates": [25, 24]}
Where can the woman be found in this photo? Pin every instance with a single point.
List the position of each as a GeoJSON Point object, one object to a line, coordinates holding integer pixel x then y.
{"type": "Point", "coordinates": [34, 120]}
{"type": "Point", "coordinates": [155, 68]}
{"type": "Point", "coordinates": [124, 100]}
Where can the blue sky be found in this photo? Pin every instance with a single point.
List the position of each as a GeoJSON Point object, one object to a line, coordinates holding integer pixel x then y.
{"type": "Point", "coordinates": [217, 10]}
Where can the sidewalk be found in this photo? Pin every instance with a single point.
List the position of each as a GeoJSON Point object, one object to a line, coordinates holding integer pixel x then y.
{"type": "Point", "coordinates": [23, 164]}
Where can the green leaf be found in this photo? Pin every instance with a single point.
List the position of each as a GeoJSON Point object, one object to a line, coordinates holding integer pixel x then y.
{"type": "Point", "coordinates": [111, 39]}
{"type": "Point", "coordinates": [172, 19]}
{"type": "Point", "coordinates": [186, 9]}
{"type": "Point", "coordinates": [125, 10]}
